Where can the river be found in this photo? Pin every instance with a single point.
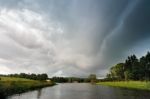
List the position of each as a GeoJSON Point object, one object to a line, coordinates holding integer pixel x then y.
{"type": "Point", "coordinates": [82, 91]}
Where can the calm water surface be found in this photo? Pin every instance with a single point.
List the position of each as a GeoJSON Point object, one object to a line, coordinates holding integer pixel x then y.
{"type": "Point", "coordinates": [82, 91]}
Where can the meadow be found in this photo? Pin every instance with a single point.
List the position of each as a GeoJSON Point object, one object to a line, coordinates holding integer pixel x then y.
{"type": "Point", "coordinates": [140, 85]}
{"type": "Point", "coordinates": [13, 85]}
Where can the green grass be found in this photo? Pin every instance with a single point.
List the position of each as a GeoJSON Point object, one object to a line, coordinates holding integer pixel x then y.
{"type": "Point", "coordinates": [12, 85]}
{"type": "Point", "coordinates": [14, 79]}
{"type": "Point", "coordinates": [128, 84]}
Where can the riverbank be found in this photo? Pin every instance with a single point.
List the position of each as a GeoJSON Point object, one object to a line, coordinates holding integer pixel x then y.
{"type": "Point", "coordinates": [128, 84]}
{"type": "Point", "coordinates": [12, 85]}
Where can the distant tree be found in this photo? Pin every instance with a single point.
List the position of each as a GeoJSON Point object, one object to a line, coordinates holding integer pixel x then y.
{"type": "Point", "coordinates": [70, 80]}
{"type": "Point", "coordinates": [59, 79]}
{"type": "Point", "coordinates": [33, 76]}
{"type": "Point", "coordinates": [23, 75]}
{"type": "Point", "coordinates": [108, 76]}
{"type": "Point", "coordinates": [44, 76]}
{"type": "Point", "coordinates": [92, 78]}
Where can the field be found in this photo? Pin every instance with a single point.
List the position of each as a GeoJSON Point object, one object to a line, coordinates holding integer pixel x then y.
{"type": "Point", "coordinates": [128, 84]}
{"type": "Point", "coordinates": [12, 85]}
{"type": "Point", "coordinates": [14, 79]}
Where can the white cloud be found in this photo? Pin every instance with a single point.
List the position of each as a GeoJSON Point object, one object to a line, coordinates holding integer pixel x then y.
{"type": "Point", "coordinates": [28, 38]}
{"type": "Point", "coordinates": [23, 32]}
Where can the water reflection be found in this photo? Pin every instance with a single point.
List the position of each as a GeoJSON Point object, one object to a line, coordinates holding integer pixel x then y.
{"type": "Point", "coordinates": [83, 91]}
{"type": "Point", "coordinates": [39, 92]}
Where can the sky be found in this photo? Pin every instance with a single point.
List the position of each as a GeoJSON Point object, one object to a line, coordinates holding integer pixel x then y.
{"type": "Point", "coordinates": [71, 37]}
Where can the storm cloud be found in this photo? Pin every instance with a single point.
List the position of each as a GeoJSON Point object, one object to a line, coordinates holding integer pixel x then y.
{"type": "Point", "coordinates": [71, 37]}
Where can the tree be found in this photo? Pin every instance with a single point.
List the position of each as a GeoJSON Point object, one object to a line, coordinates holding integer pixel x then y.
{"type": "Point", "coordinates": [117, 71]}
{"type": "Point", "coordinates": [132, 66]}
{"type": "Point", "coordinates": [33, 76]}
{"type": "Point", "coordinates": [127, 75]}
{"type": "Point", "coordinates": [92, 78]}
{"type": "Point", "coordinates": [132, 69]}
{"type": "Point", "coordinates": [44, 76]}
{"type": "Point", "coordinates": [108, 76]}
{"type": "Point", "coordinates": [147, 66]}
{"type": "Point", "coordinates": [142, 68]}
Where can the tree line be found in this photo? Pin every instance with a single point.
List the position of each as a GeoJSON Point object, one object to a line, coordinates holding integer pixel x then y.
{"type": "Point", "coordinates": [69, 79]}
{"type": "Point", "coordinates": [32, 76]}
{"type": "Point", "coordinates": [132, 69]}
{"type": "Point", "coordinates": [91, 78]}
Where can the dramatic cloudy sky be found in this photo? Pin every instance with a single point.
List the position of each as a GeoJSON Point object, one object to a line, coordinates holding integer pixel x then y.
{"type": "Point", "coordinates": [71, 37]}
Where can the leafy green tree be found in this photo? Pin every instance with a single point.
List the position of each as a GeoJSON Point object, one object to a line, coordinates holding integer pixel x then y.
{"type": "Point", "coordinates": [132, 69]}
{"type": "Point", "coordinates": [142, 68]}
{"type": "Point", "coordinates": [127, 75]}
{"type": "Point", "coordinates": [44, 76]}
{"type": "Point", "coordinates": [147, 67]}
{"type": "Point", "coordinates": [117, 72]}
{"type": "Point", "coordinates": [132, 66]}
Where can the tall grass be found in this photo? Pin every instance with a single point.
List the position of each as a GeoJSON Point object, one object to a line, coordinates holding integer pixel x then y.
{"type": "Point", "coordinates": [13, 79]}
{"type": "Point", "coordinates": [12, 85]}
{"type": "Point", "coordinates": [141, 85]}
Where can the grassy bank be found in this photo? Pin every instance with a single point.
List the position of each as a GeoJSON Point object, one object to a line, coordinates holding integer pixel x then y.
{"type": "Point", "coordinates": [129, 84]}
{"type": "Point", "coordinates": [12, 85]}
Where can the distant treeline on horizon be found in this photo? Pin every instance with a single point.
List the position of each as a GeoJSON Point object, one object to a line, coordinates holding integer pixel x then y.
{"type": "Point", "coordinates": [44, 76]}
{"type": "Point", "coordinates": [70, 79]}
{"type": "Point", "coordinates": [32, 76]}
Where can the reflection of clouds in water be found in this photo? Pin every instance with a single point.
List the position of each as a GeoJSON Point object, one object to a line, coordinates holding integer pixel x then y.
{"type": "Point", "coordinates": [58, 92]}
{"type": "Point", "coordinates": [27, 95]}
{"type": "Point", "coordinates": [83, 91]}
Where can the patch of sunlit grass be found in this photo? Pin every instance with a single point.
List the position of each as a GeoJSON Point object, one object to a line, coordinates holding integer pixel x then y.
{"type": "Point", "coordinates": [142, 85]}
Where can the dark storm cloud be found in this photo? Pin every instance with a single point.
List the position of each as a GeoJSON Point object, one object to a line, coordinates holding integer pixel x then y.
{"type": "Point", "coordinates": [134, 29]}
{"type": "Point", "coordinates": [70, 37]}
